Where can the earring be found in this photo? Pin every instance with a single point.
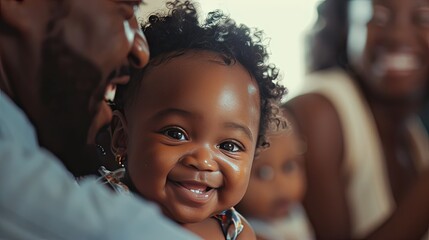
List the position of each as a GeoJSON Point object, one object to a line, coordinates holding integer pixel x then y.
{"type": "Point", "coordinates": [100, 150]}
{"type": "Point", "coordinates": [120, 159]}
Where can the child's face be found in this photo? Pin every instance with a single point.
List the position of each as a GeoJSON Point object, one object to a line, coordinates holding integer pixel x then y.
{"type": "Point", "coordinates": [192, 135]}
{"type": "Point", "coordinates": [277, 180]}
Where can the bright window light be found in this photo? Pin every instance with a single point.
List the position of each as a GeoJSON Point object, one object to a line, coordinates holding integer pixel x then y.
{"type": "Point", "coordinates": [284, 22]}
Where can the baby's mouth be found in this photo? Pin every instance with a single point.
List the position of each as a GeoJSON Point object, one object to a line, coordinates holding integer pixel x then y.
{"type": "Point", "coordinates": [196, 188]}
{"type": "Point", "coordinates": [192, 193]}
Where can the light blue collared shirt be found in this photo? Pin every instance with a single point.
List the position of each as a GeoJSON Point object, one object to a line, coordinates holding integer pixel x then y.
{"type": "Point", "coordinates": [39, 198]}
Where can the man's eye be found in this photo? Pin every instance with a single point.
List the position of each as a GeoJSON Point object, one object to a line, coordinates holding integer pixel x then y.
{"type": "Point", "coordinates": [176, 133]}
{"type": "Point", "coordinates": [129, 8]}
{"type": "Point", "coordinates": [230, 146]}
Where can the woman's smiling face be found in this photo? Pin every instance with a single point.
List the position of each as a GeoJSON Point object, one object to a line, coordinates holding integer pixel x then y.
{"type": "Point", "coordinates": [388, 46]}
{"type": "Point", "coordinates": [192, 133]}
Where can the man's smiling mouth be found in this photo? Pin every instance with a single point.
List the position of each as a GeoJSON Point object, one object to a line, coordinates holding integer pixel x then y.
{"type": "Point", "coordinates": [121, 76]}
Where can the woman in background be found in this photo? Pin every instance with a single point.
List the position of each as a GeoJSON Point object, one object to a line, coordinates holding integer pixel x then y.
{"type": "Point", "coordinates": [366, 146]}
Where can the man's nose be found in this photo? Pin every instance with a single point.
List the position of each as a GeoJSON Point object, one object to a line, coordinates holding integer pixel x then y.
{"type": "Point", "coordinates": [139, 53]}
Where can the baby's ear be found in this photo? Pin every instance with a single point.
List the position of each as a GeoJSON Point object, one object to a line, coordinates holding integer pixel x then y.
{"type": "Point", "coordinates": [119, 131]}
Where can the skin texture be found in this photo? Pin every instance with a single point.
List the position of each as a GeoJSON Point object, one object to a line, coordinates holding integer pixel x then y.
{"type": "Point", "coordinates": [137, 57]}
{"type": "Point", "coordinates": [396, 28]}
{"type": "Point", "coordinates": [193, 125]}
{"type": "Point", "coordinates": [277, 180]}
{"type": "Point", "coordinates": [56, 58]}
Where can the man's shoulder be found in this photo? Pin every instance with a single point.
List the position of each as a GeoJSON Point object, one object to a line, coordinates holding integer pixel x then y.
{"type": "Point", "coordinates": [14, 124]}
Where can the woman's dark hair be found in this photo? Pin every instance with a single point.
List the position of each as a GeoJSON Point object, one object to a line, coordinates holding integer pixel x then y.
{"type": "Point", "coordinates": [327, 41]}
{"type": "Point", "coordinates": [172, 34]}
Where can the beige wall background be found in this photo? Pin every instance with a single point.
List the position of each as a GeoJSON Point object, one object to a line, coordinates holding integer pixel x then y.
{"type": "Point", "coordinates": [285, 23]}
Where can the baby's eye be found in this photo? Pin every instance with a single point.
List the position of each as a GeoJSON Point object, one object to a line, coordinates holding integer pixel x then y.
{"type": "Point", "coordinates": [289, 166]}
{"type": "Point", "coordinates": [175, 133]}
{"type": "Point", "coordinates": [265, 173]}
{"type": "Point", "coordinates": [231, 146]}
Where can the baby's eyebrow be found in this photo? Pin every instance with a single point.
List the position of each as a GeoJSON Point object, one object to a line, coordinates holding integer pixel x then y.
{"type": "Point", "coordinates": [240, 127]}
{"type": "Point", "coordinates": [168, 111]}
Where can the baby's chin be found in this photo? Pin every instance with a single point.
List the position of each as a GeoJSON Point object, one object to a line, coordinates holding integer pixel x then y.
{"type": "Point", "coordinates": [280, 216]}
{"type": "Point", "coordinates": [184, 215]}
{"type": "Point", "coordinates": [274, 214]}
{"type": "Point", "coordinates": [270, 217]}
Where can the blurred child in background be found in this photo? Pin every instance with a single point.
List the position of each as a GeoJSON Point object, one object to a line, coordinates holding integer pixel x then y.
{"type": "Point", "coordinates": [277, 185]}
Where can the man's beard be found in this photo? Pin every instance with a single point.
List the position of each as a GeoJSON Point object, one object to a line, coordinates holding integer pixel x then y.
{"type": "Point", "coordinates": [69, 84]}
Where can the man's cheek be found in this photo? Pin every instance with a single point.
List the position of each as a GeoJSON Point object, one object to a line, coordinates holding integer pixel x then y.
{"type": "Point", "coordinates": [69, 81]}
{"type": "Point", "coordinates": [70, 89]}
{"type": "Point", "coordinates": [101, 119]}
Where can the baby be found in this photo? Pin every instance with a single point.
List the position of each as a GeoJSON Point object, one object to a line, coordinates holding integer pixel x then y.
{"type": "Point", "coordinates": [276, 187]}
{"type": "Point", "coordinates": [189, 124]}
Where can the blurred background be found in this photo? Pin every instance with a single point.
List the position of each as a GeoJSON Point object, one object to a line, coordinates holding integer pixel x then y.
{"type": "Point", "coordinates": [285, 24]}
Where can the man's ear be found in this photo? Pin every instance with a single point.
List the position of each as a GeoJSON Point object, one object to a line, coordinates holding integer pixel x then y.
{"type": "Point", "coordinates": [119, 131]}
{"type": "Point", "coordinates": [9, 12]}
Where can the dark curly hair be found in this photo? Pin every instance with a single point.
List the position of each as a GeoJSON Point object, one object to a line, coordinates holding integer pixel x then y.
{"type": "Point", "coordinates": [327, 41]}
{"type": "Point", "coordinates": [172, 34]}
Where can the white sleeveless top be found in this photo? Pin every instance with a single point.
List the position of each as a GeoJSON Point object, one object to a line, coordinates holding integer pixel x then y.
{"type": "Point", "coordinates": [368, 191]}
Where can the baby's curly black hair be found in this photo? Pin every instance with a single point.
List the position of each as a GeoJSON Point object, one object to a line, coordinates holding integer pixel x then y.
{"type": "Point", "coordinates": [178, 31]}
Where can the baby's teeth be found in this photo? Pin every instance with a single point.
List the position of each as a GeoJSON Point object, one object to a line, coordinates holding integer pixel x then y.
{"type": "Point", "coordinates": [198, 191]}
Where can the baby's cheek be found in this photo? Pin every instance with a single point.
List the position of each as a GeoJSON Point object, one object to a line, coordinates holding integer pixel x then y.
{"type": "Point", "coordinates": [298, 188]}
{"type": "Point", "coordinates": [244, 179]}
{"type": "Point", "coordinates": [234, 190]}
